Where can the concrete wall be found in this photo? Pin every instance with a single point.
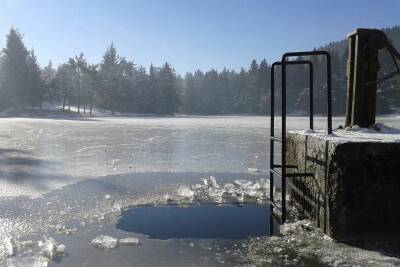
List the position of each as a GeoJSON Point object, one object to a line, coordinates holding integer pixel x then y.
{"type": "Point", "coordinates": [355, 187]}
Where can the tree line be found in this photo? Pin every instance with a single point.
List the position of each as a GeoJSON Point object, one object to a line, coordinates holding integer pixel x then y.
{"type": "Point", "coordinates": [114, 84]}
{"type": "Point", "coordinates": [118, 84]}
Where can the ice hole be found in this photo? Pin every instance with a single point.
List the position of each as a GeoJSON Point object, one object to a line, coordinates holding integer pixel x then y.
{"type": "Point", "coordinates": [198, 221]}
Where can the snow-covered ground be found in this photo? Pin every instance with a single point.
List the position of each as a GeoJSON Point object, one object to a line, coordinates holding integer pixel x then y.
{"type": "Point", "coordinates": [65, 181]}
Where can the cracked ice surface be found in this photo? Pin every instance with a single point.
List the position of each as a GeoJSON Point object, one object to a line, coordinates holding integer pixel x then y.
{"type": "Point", "coordinates": [41, 155]}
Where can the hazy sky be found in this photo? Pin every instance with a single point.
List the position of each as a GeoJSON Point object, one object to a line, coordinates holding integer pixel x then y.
{"type": "Point", "coordinates": [190, 34]}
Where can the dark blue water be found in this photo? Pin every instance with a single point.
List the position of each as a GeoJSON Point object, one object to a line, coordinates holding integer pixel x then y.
{"type": "Point", "coordinates": [198, 221]}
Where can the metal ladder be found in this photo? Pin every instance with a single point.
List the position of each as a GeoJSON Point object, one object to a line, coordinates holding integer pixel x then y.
{"type": "Point", "coordinates": [276, 211]}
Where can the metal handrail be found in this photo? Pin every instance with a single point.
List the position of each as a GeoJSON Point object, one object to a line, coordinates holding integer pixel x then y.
{"type": "Point", "coordinates": [272, 128]}
{"type": "Point", "coordinates": [283, 165]}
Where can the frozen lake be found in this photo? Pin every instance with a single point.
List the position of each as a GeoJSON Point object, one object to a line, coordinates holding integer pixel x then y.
{"type": "Point", "coordinates": [55, 153]}
{"type": "Point", "coordinates": [72, 178]}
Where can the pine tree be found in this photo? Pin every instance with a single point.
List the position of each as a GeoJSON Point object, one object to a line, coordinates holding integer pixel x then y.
{"type": "Point", "coordinates": [189, 95]}
{"type": "Point", "coordinates": [48, 74]}
{"type": "Point", "coordinates": [35, 85]}
{"type": "Point", "coordinates": [169, 94]}
{"type": "Point", "coordinates": [264, 82]}
{"type": "Point", "coordinates": [110, 79]}
{"type": "Point", "coordinates": [15, 70]}
{"type": "Point", "coordinates": [253, 90]}
{"type": "Point", "coordinates": [64, 83]}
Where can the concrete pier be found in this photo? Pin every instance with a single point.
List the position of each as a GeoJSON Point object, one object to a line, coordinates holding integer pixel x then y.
{"type": "Point", "coordinates": [353, 190]}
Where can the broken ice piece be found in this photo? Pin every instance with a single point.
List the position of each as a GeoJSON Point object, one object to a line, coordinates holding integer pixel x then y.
{"type": "Point", "coordinates": [105, 241]}
{"type": "Point", "coordinates": [9, 246]}
{"type": "Point", "coordinates": [242, 183]}
{"type": "Point", "coordinates": [60, 249]}
{"type": "Point", "coordinates": [100, 216]}
{"type": "Point", "coordinates": [245, 184]}
{"type": "Point", "coordinates": [217, 195]}
{"type": "Point", "coordinates": [240, 198]}
{"type": "Point", "coordinates": [229, 187]}
{"type": "Point", "coordinates": [185, 191]}
{"type": "Point", "coordinates": [117, 207]}
{"type": "Point", "coordinates": [253, 170]}
{"type": "Point", "coordinates": [210, 182]}
{"type": "Point", "coordinates": [264, 183]}
{"type": "Point", "coordinates": [129, 241]}
{"type": "Point", "coordinates": [48, 247]}
{"type": "Point", "coordinates": [168, 199]}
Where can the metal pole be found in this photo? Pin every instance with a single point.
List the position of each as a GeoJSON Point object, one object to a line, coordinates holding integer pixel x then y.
{"type": "Point", "coordinates": [272, 131]}
{"type": "Point", "coordinates": [311, 84]}
{"type": "Point", "coordinates": [283, 155]}
{"type": "Point", "coordinates": [329, 82]}
{"type": "Point", "coordinates": [271, 149]}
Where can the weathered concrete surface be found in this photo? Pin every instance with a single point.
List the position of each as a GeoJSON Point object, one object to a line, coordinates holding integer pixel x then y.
{"type": "Point", "coordinates": [355, 186]}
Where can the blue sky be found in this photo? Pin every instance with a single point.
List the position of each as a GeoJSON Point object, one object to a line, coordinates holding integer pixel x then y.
{"type": "Point", "coordinates": [190, 34]}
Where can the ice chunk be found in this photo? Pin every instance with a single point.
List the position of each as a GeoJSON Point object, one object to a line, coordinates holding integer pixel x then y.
{"type": "Point", "coordinates": [60, 249]}
{"type": "Point", "coordinates": [211, 191]}
{"type": "Point", "coordinates": [185, 191]}
{"type": "Point", "coordinates": [117, 207]}
{"type": "Point", "coordinates": [216, 194]}
{"type": "Point", "coordinates": [105, 241]}
{"type": "Point", "coordinates": [48, 247]}
{"type": "Point", "coordinates": [240, 197]}
{"type": "Point", "coordinates": [264, 184]}
{"type": "Point", "coordinates": [8, 246]}
{"type": "Point", "coordinates": [253, 170]}
{"type": "Point", "coordinates": [129, 241]}
{"type": "Point", "coordinates": [168, 199]}
{"type": "Point", "coordinates": [243, 183]}
{"type": "Point", "coordinates": [229, 187]}
{"type": "Point", "coordinates": [100, 216]}
{"type": "Point", "coordinates": [210, 182]}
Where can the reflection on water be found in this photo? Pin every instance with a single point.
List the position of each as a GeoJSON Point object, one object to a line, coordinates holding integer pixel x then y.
{"type": "Point", "coordinates": [198, 221]}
